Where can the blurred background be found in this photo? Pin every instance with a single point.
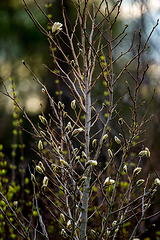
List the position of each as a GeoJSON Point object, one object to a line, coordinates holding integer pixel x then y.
{"type": "Point", "coordinates": [21, 40]}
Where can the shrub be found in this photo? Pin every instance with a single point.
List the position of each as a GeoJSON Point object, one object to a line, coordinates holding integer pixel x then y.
{"type": "Point", "coordinates": [91, 181]}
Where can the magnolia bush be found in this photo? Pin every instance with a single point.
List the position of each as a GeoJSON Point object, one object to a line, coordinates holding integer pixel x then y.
{"type": "Point", "coordinates": [91, 171]}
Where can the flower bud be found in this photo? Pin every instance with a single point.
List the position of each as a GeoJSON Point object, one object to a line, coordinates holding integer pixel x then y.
{"type": "Point", "coordinates": [62, 217]}
{"type": "Point", "coordinates": [57, 27]}
{"type": "Point", "coordinates": [157, 181]}
{"type": "Point", "coordinates": [91, 162]}
{"type": "Point", "coordinates": [64, 162]}
{"type": "Point", "coordinates": [69, 126]}
{"type": "Point", "coordinates": [69, 224]}
{"type": "Point", "coordinates": [84, 156]}
{"type": "Point", "coordinates": [33, 178]}
{"type": "Point", "coordinates": [120, 121]}
{"type": "Point", "coordinates": [43, 90]}
{"type": "Point", "coordinates": [73, 104]}
{"type": "Point", "coordinates": [63, 233]}
{"type": "Point", "coordinates": [76, 131]}
{"type": "Point", "coordinates": [60, 105]}
{"type": "Point", "coordinates": [39, 169]}
{"type": "Point", "coordinates": [147, 152]}
{"type": "Point", "coordinates": [77, 159]}
{"type": "Point", "coordinates": [40, 164]}
{"type": "Point", "coordinates": [125, 169]}
{"type": "Point", "coordinates": [45, 181]}
{"type": "Point", "coordinates": [43, 120]}
{"type": "Point", "coordinates": [105, 138]}
{"type": "Point", "coordinates": [142, 153]}
{"type": "Point", "coordinates": [40, 145]}
{"type": "Point", "coordinates": [110, 154]}
{"type": "Point", "coordinates": [117, 140]}
{"type": "Point", "coordinates": [108, 181]}
{"type": "Point", "coordinates": [114, 223]}
{"type": "Point", "coordinates": [139, 182]}
{"type": "Point", "coordinates": [137, 170]}
{"type": "Point", "coordinates": [94, 143]}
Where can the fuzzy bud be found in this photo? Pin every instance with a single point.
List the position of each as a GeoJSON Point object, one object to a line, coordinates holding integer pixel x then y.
{"type": "Point", "coordinates": [39, 169]}
{"type": "Point", "coordinates": [45, 181]}
{"type": "Point", "coordinates": [110, 154]}
{"type": "Point", "coordinates": [43, 90]}
{"type": "Point", "coordinates": [137, 170]}
{"type": "Point", "coordinates": [117, 140]}
{"type": "Point", "coordinates": [69, 126]}
{"type": "Point", "coordinates": [63, 233]}
{"type": "Point", "coordinates": [114, 223]}
{"type": "Point", "coordinates": [40, 145]}
{"type": "Point", "coordinates": [76, 131]}
{"type": "Point", "coordinates": [60, 105]}
{"type": "Point", "coordinates": [43, 120]}
{"type": "Point", "coordinates": [57, 27]}
{"type": "Point", "coordinates": [77, 159]}
{"type": "Point", "coordinates": [142, 153]}
{"type": "Point", "coordinates": [64, 162]}
{"type": "Point", "coordinates": [120, 121]}
{"type": "Point", "coordinates": [91, 163]}
{"type": "Point", "coordinates": [105, 138]}
{"type": "Point", "coordinates": [73, 104]}
{"type": "Point", "coordinates": [139, 182]}
{"type": "Point", "coordinates": [147, 152]}
{"type": "Point", "coordinates": [94, 143]}
{"type": "Point", "coordinates": [157, 181]}
{"type": "Point", "coordinates": [62, 217]}
{"type": "Point", "coordinates": [108, 181]}
{"type": "Point", "coordinates": [125, 169]}
{"type": "Point", "coordinates": [84, 156]}
{"type": "Point", "coordinates": [69, 224]}
{"type": "Point", "coordinates": [33, 178]}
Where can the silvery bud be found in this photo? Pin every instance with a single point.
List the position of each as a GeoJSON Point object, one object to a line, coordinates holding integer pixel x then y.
{"type": "Point", "coordinates": [94, 143]}
{"type": "Point", "coordinates": [45, 181]}
{"type": "Point", "coordinates": [40, 164]}
{"type": "Point", "coordinates": [60, 105]}
{"type": "Point", "coordinates": [40, 145]}
{"type": "Point", "coordinates": [105, 138]}
{"type": "Point", "coordinates": [157, 181]}
{"type": "Point", "coordinates": [137, 170]}
{"type": "Point", "coordinates": [39, 169]}
{"type": "Point", "coordinates": [64, 162]}
{"type": "Point", "coordinates": [117, 140]}
{"type": "Point", "coordinates": [57, 27]}
{"type": "Point", "coordinates": [108, 181]}
{"type": "Point", "coordinates": [139, 182]}
{"type": "Point", "coordinates": [33, 178]}
{"type": "Point", "coordinates": [84, 156]}
{"type": "Point", "coordinates": [63, 233]}
{"type": "Point", "coordinates": [43, 120]}
{"type": "Point", "coordinates": [77, 159]}
{"type": "Point", "coordinates": [125, 169]}
{"type": "Point", "coordinates": [62, 217]}
{"type": "Point", "coordinates": [69, 224]}
{"type": "Point", "coordinates": [120, 121]}
{"type": "Point", "coordinates": [110, 154]}
{"type": "Point", "coordinates": [114, 223]}
{"type": "Point", "coordinates": [69, 126]}
{"type": "Point", "coordinates": [91, 162]}
{"type": "Point", "coordinates": [73, 104]}
{"type": "Point", "coordinates": [142, 153]}
{"type": "Point", "coordinates": [76, 131]}
{"type": "Point", "coordinates": [147, 152]}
